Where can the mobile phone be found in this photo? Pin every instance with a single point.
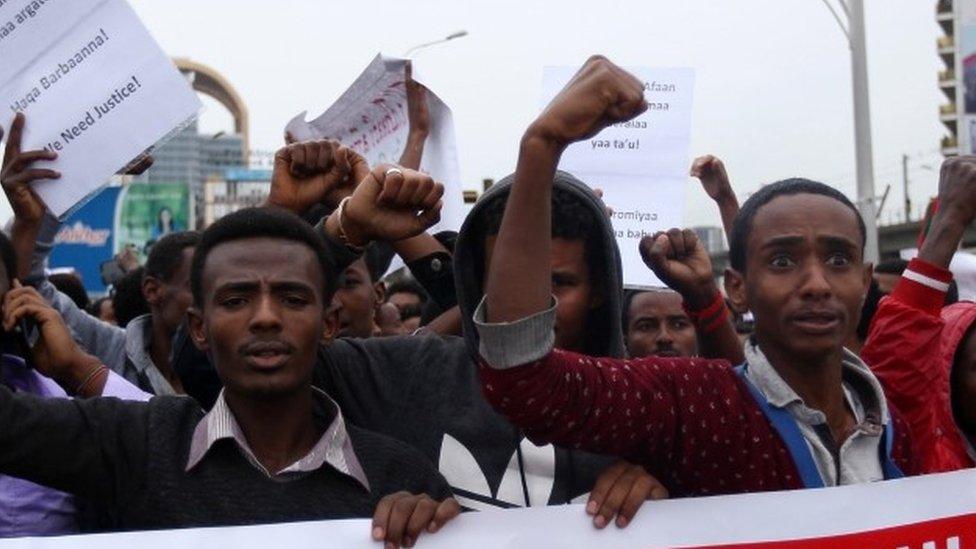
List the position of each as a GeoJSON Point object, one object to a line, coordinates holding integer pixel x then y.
{"type": "Point", "coordinates": [25, 335]}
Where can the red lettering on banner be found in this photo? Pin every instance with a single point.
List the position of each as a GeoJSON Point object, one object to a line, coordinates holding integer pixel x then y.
{"type": "Point", "coordinates": [948, 533]}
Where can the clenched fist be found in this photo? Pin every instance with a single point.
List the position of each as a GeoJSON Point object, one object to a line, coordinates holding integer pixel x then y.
{"type": "Point", "coordinates": [957, 189]}
{"type": "Point", "coordinates": [711, 172]}
{"type": "Point", "coordinates": [600, 94]}
{"type": "Point", "coordinates": [390, 204]}
{"type": "Point", "coordinates": [314, 172]}
{"type": "Point", "coordinates": [680, 260]}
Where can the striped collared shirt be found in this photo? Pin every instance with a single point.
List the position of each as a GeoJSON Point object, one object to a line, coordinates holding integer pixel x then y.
{"type": "Point", "coordinates": [334, 448]}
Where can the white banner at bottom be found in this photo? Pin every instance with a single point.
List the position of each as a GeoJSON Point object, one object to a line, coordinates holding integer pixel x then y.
{"type": "Point", "coordinates": [933, 512]}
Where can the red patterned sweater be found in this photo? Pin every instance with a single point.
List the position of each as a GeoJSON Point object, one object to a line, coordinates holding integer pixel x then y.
{"type": "Point", "coordinates": [693, 423]}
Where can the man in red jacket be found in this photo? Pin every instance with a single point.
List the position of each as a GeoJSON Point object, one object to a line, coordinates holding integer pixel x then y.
{"type": "Point", "coordinates": [800, 412]}
{"type": "Point", "coordinates": [924, 355]}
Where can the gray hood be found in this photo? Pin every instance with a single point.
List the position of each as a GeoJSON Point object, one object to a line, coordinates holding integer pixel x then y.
{"type": "Point", "coordinates": [605, 333]}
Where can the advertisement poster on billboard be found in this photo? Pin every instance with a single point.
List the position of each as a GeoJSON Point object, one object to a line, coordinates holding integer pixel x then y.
{"type": "Point", "coordinates": [150, 212]}
{"type": "Point", "coordinates": [966, 36]}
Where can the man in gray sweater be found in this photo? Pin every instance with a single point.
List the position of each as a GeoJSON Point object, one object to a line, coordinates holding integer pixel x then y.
{"type": "Point", "coordinates": [140, 352]}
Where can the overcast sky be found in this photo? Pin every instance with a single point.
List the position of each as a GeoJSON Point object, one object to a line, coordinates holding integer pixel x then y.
{"type": "Point", "coordinates": [772, 97]}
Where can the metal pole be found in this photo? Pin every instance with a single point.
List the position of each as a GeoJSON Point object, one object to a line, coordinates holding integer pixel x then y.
{"type": "Point", "coordinates": [862, 128]}
{"type": "Point", "coordinates": [904, 184]}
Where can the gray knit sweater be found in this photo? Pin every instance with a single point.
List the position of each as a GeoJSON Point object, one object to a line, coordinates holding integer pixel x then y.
{"type": "Point", "coordinates": [128, 460]}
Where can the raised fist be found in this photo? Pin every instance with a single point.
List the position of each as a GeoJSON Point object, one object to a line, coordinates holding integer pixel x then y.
{"type": "Point", "coordinates": [714, 179]}
{"type": "Point", "coordinates": [957, 189]}
{"type": "Point", "coordinates": [599, 95]}
{"type": "Point", "coordinates": [680, 260]}
{"type": "Point", "coordinates": [391, 204]}
{"type": "Point", "coordinates": [314, 172]}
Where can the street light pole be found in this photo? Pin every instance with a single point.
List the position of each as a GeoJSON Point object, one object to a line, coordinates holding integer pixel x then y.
{"type": "Point", "coordinates": [447, 38]}
{"type": "Point", "coordinates": [862, 127]}
{"type": "Point", "coordinates": [904, 179]}
{"type": "Point", "coordinates": [864, 156]}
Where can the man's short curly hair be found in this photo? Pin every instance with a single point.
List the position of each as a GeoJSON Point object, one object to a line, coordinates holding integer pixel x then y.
{"type": "Point", "coordinates": [261, 223]}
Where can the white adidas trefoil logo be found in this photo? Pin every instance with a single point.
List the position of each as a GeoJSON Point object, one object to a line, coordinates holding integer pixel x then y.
{"type": "Point", "coordinates": [470, 483]}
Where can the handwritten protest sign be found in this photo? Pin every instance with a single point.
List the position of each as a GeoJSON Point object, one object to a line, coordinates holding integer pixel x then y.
{"type": "Point", "coordinates": [641, 165]}
{"type": "Point", "coordinates": [95, 86]}
{"type": "Point", "coordinates": [937, 511]}
{"type": "Point", "coordinates": [371, 117]}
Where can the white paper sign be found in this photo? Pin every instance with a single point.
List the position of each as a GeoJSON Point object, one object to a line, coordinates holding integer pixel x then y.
{"type": "Point", "coordinates": [641, 165]}
{"type": "Point", "coordinates": [371, 118]}
{"type": "Point", "coordinates": [95, 86]}
{"type": "Point", "coordinates": [912, 513]}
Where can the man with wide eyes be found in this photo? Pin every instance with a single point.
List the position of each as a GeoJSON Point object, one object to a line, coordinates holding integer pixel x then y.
{"type": "Point", "coordinates": [801, 411]}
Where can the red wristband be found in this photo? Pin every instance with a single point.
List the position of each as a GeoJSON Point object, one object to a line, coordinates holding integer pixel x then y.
{"type": "Point", "coordinates": [716, 306]}
{"type": "Point", "coordinates": [715, 323]}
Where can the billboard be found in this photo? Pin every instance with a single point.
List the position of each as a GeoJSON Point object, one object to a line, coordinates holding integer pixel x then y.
{"type": "Point", "coordinates": [135, 215]}
{"type": "Point", "coordinates": [150, 212]}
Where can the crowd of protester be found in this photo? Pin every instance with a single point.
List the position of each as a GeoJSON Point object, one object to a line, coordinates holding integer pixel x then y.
{"type": "Point", "coordinates": [267, 369]}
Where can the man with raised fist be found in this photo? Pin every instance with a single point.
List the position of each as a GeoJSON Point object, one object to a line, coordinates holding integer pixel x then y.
{"type": "Point", "coordinates": [799, 412]}
{"type": "Point", "coordinates": [924, 354]}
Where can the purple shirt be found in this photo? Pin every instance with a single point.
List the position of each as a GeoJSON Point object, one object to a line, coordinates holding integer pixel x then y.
{"type": "Point", "coordinates": [28, 509]}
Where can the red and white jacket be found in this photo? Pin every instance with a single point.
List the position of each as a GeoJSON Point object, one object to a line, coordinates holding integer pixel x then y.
{"type": "Point", "coordinates": [911, 348]}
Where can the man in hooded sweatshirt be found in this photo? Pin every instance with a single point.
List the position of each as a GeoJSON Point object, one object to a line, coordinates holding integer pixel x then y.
{"type": "Point", "coordinates": [924, 354]}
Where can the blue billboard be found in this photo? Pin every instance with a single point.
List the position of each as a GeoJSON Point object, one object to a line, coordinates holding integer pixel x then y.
{"type": "Point", "coordinates": [133, 216]}
{"type": "Point", "coordinates": [85, 239]}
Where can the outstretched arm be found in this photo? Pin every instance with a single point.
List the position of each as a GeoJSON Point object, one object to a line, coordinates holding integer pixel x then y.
{"type": "Point", "coordinates": [423, 245]}
{"type": "Point", "coordinates": [20, 170]}
{"type": "Point", "coordinates": [904, 345]}
{"type": "Point", "coordinates": [555, 396]}
{"type": "Point", "coordinates": [418, 118]}
{"type": "Point", "coordinates": [599, 94]}
{"type": "Point", "coordinates": [711, 172]}
{"type": "Point", "coordinates": [680, 260]}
